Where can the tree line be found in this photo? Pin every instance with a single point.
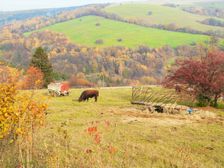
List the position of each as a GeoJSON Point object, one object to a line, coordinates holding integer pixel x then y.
{"type": "Point", "coordinates": [205, 11]}
{"type": "Point", "coordinates": [112, 65]}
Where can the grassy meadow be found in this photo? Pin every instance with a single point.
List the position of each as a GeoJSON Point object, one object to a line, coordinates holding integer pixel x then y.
{"type": "Point", "coordinates": [84, 31]}
{"type": "Point", "coordinates": [114, 133]}
{"type": "Point", "coordinates": [161, 15]}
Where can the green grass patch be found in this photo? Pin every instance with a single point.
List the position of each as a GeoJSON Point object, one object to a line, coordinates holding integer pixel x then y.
{"type": "Point", "coordinates": [84, 31]}
{"type": "Point", "coordinates": [222, 43]}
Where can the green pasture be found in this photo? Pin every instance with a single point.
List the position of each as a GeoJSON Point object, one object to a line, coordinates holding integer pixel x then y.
{"type": "Point", "coordinates": [84, 31]}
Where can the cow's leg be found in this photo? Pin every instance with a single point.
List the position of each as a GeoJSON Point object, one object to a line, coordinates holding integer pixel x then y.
{"type": "Point", "coordinates": [95, 98]}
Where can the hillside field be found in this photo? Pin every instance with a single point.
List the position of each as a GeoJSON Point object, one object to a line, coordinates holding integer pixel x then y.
{"type": "Point", "coordinates": [161, 15]}
{"type": "Point", "coordinates": [84, 31]}
{"type": "Point", "coordinates": [130, 136]}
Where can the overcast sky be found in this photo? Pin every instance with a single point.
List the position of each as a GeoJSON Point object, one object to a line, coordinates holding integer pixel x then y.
{"type": "Point", "coordinates": [11, 5]}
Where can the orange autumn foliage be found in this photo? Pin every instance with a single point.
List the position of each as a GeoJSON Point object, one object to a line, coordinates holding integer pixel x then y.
{"type": "Point", "coordinates": [33, 79]}
{"type": "Point", "coordinates": [8, 74]}
{"type": "Point", "coordinates": [92, 130]}
{"type": "Point", "coordinates": [97, 138]}
{"type": "Point", "coordinates": [20, 112]}
{"type": "Point", "coordinates": [80, 80]}
{"type": "Point", "coordinates": [111, 149]}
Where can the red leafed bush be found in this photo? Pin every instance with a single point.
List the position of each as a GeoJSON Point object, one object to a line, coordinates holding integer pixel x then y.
{"type": "Point", "coordinates": [33, 78]}
{"type": "Point", "coordinates": [204, 75]}
{"type": "Point", "coordinates": [97, 138]}
{"type": "Point", "coordinates": [80, 80]}
{"type": "Point", "coordinates": [111, 149]}
{"type": "Point", "coordinates": [92, 130]}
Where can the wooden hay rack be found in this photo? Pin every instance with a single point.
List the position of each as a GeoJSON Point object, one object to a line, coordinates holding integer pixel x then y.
{"type": "Point", "coordinates": [152, 97]}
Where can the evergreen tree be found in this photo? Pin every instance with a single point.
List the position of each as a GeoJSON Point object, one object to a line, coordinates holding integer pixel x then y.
{"type": "Point", "coordinates": [41, 61]}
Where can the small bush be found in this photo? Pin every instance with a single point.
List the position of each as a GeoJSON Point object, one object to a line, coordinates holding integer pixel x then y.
{"type": "Point", "coordinates": [149, 13]}
{"type": "Point", "coordinates": [97, 24]}
{"type": "Point", "coordinates": [99, 41]}
{"type": "Point", "coordinates": [119, 39]}
{"type": "Point", "coordinates": [203, 101]}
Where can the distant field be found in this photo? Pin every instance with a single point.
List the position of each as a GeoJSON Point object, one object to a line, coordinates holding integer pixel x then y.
{"type": "Point", "coordinates": [219, 5]}
{"type": "Point", "coordinates": [161, 15]}
{"type": "Point", "coordinates": [85, 32]}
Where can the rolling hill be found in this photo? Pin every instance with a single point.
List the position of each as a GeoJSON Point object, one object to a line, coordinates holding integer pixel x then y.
{"type": "Point", "coordinates": [161, 15]}
{"type": "Point", "coordinates": [218, 4]}
{"type": "Point", "coordinates": [87, 30]}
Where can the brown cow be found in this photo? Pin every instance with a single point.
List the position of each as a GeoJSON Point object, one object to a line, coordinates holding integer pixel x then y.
{"type": "Point", "coordinates": [89, 94]}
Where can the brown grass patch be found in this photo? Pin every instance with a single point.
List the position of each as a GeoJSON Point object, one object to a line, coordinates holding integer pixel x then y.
{"type": "Point", "coordinates": [142, 115]}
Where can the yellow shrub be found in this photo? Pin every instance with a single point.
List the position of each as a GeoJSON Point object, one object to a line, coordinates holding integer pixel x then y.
{"type": "Point", "coordinates": [18, 112]}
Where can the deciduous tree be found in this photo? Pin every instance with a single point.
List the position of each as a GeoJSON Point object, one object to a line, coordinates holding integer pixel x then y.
{"type": "Point", "coordinates": [33, 78]}
{"type": "Point", "coordinates": [205, 76]}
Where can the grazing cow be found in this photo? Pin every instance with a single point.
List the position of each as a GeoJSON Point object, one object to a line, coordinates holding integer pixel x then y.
{"type": "Point", "coordinates": [89, 94]}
